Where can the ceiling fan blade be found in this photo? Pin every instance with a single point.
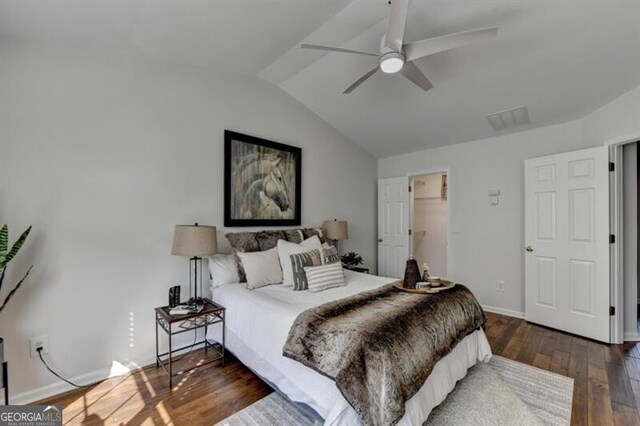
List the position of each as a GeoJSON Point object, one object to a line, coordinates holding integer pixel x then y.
{"type": "Point", "coordinates": [362, 79]}
{"type": "Point", "coordinates": [417, 77]}
{"type": "Point", "coordinates": [422, 48]}
{"type": "Point", "coordinates": [336, 49]}
{"type": "Point", "coordinates": [397, 22]}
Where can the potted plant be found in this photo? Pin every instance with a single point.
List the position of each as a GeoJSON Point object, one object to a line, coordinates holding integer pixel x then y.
{"type": "Point", "coordinates": [351, 260]}
{"type": "Point", "coordinates": [5, 257]}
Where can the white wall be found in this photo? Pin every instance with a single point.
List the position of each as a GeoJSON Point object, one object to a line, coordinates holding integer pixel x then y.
{"type": "Point", "coordinates": [619, 118]}
{"type": "Point", "coordinates": [103, 155]}
{"type": "Point", "coordinates": [429, 224]}
{"type": "Point", "coordinates": [490, 241]}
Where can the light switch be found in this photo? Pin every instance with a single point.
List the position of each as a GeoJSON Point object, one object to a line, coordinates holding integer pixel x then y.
{"type": "Point", "coordinates": [494, 201]}
{"type": "Point", "coordinates": [493, 192]}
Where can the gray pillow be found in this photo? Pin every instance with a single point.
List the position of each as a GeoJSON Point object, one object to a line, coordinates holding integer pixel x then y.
{"type": "Point", "coordinates": [294, 235]}
{"type": "Point", "coordinates": [269, 239]}
{"type": "Point", "coordinates": [310, 232]}
{"type": "Point", "coordinates": [243, 242]}
{"type": "Point", "coordinates": [330, 255]}
{"type": "Point", "coordinates": [298, 262]}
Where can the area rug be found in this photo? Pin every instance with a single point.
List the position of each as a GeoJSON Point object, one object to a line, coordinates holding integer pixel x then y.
{"type": "Point", "coordinates": [504, 392]}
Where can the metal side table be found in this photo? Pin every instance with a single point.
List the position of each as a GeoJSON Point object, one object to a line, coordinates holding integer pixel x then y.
{"type": "Point", "coordinates": [212, 313]}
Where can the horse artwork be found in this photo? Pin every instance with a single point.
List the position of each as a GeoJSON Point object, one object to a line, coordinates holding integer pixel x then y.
{"type": "Point", "coordinates": [262, 182]}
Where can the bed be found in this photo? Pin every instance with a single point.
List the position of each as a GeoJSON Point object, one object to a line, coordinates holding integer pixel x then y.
{"type": "Point", "coordinates": [258, 323]}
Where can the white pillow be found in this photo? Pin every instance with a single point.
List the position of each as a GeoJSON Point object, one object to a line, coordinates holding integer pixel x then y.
{"type": "Point", "coordinates": [262, 268]}
{"type": "Point", "coordinates": [223, 270]}
{"type": "Point", "coordinates": [286, 249]}
{"type": "Point", "coordinates": [323, 277]}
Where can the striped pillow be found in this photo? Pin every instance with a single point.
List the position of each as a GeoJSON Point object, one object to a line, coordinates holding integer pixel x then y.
{"type": "Point", "coordinates": [330, 255]}
{"type": "Point", "coordinates": [298, 262]}
{"type": "Point", "coordinates": [323, 277]}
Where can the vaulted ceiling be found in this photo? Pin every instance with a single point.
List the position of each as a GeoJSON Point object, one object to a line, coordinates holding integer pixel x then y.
{"type": "Point", "coordinates": [562, 59]}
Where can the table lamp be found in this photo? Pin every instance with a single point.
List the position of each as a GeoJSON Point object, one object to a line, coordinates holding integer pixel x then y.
{"type": "Point", "coordinates": [335, 230]}
{"type": "Point", "coordinates": [194, 241]}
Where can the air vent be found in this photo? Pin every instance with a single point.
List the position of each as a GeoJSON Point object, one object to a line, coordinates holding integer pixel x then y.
{"type": "Point", "coordinates": [510, 118]}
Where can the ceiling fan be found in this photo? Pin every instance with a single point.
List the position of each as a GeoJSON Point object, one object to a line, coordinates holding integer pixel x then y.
{"type": "Point", "coordinates": [396, 56]}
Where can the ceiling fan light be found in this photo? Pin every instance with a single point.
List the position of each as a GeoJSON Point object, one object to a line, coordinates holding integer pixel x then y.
{"type": "Point", "coordinates": [391, 62]}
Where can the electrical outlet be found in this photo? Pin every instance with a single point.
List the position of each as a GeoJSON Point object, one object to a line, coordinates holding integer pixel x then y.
{"type": "Point", "coordinates": [500, 286]}
{"type": "Point", "coordinates": [39, 342]}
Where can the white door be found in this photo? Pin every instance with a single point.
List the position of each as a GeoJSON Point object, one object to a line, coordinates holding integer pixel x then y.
{"type": "Point", "coordinates": [567, 242]}
{"type": "Point", "coordinates": [393, 229]}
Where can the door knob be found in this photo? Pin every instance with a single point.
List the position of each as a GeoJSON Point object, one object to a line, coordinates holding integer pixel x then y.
{"type": "Point", "coordinates": [379, 240]}
{"type": "Point", "coordinates": [529, 249]}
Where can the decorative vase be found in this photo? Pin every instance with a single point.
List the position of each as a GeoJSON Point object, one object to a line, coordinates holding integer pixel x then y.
{"type": "Point", "coordinates": [425, 274]}
{"type": "Point", "coordinates": [411, 273]}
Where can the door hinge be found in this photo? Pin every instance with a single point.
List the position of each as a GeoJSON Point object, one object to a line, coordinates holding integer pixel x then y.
{"type": "Point", "coordinates": [409, 188]}
{"type": "Point", "coordinates": [612, 310]}
{"type": "Point", "coordinates": [612, 239]}
{"type": "Point", "coordinates": [612, 167]}
{"type": "Point", "coordinates": [409, 231]}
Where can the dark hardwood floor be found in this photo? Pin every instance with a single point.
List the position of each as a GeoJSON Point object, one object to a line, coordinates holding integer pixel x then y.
{"type": "Point", "coordinates": [606, 392]}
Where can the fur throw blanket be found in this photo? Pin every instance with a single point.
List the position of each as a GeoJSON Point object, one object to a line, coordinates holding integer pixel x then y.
{"type": "Point", "coordinates": [381, 345]}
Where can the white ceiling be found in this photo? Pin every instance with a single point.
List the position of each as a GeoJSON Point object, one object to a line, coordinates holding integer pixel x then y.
{"type": "Point", "coordinates": [562, 59]}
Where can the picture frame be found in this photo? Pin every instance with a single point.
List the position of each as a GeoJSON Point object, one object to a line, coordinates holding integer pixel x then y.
{"type": "Point", "coordinates": [262, 182]}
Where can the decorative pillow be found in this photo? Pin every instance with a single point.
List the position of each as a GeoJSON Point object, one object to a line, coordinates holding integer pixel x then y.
{"type": "Point", "coordinates": [223, 269]}
{"type": "Point", "coordinates": [242, 242]}
{"type": "Point", "coordinates": [293, 235]}
{"type": "Point", "coordinates": [310, 232]}
{"type": "Point", "coordinates": [286, 249]}
{"type": "Point", "coordinates": [269, 239]}
{"type": "Point", "coordinates": [323, 277]}
{"type": "Point", "coordinates": [330, 255]}
{"type": "Point", "coordinates": [262, 268]}
{"type": "Point", "coordinates": [299, 262]}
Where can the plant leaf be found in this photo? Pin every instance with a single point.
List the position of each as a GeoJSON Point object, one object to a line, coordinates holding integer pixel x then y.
{"type": "Point", "coordinates": [4, 242]}
{"type": "Point", "coordinates": [12, 292]}
{"type": "Point", "coordinates": [17, 245]}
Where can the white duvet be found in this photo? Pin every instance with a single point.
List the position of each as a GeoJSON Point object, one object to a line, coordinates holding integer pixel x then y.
{"type": "Point", "coordinates": [257, 326]}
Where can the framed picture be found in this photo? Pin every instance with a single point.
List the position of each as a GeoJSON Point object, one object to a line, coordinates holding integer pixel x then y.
{"type": "Point", "coordinates": [262, 184]}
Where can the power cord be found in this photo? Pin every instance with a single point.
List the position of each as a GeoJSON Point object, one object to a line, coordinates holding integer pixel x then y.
{"type": "Point", "coordinates": [195, 338]}
{"type": "Point", "coordinates": [39, 350]}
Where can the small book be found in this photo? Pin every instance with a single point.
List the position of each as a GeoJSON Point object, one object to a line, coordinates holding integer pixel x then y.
{"type": "Point", "coordinates": [185, 309]}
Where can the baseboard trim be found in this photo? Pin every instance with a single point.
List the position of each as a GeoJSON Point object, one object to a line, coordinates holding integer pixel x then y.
{"type": "Point", "coordinates": [503, 311]}
{"type": "Point", "coordinates": [60, 386]}
{"type": "Point", "coordinates": [630, 336]}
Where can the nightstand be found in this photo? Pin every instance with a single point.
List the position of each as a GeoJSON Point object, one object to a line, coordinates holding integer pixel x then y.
{"type": "Point", "coordinates": [357, 269]}
{"type": "Point", "coordinates": [212, 313]}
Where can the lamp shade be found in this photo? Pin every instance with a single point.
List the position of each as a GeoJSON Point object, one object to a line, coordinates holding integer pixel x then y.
{"type": "Point", "coordinates": [194, 240]}
{"type": "Point", "coordinates": [335, 230]}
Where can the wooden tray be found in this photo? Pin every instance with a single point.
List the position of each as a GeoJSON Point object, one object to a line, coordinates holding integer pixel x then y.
{"type": "Point", "coordinates": [444, 286]}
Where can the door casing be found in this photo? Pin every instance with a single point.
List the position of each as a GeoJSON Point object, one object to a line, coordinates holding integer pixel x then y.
{"type": "Point", "coordinates": [408, 217]}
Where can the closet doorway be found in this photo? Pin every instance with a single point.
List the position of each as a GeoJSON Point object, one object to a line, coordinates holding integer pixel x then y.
{"type": "Point", "coordinates": [429, 237]}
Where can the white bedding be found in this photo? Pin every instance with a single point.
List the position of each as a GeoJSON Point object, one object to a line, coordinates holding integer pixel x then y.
{"type": "Point", "coordinates": [257, 326]}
